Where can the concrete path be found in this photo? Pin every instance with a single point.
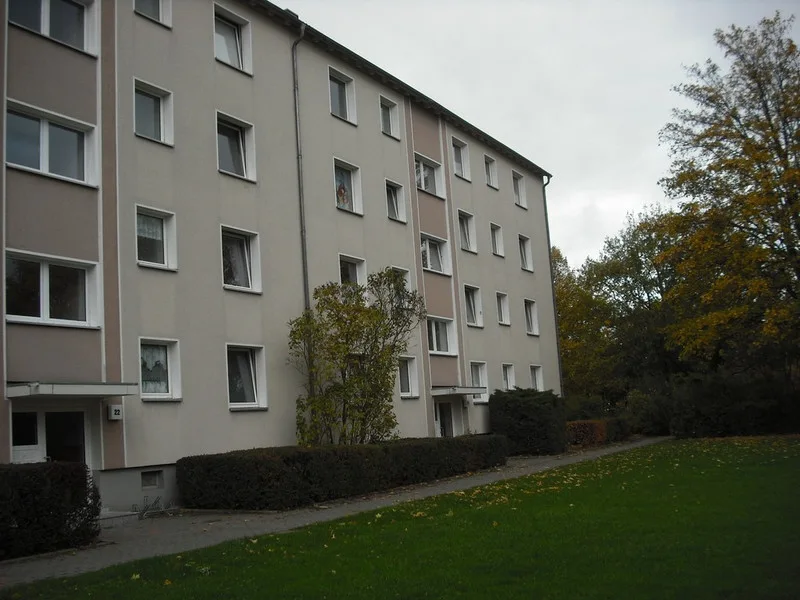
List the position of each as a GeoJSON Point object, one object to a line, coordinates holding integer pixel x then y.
{"type": "Point", "coordinates": [189, 530]}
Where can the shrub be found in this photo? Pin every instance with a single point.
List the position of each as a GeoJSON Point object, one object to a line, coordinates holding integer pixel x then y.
{"type": "Point", "coordinates": [587, 433]}
{"type": "Point", "coordinates": [618, 429]}
{"type": "Point", "coordinates": [46, 506]}
{"type": "Point", "coordinates": [581, 408]}
{"type": "Point", "coordinates": [650, 411]}
{"type": "Point", "coordinates": [288, 477]}
{"type": "Point", "coordinates": [534, 422]}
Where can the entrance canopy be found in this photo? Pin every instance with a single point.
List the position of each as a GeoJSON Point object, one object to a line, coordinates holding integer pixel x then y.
{"type": "Point", "coordinates": [41, 389]}
{"type": "Point", "coordinates": [456, 390]}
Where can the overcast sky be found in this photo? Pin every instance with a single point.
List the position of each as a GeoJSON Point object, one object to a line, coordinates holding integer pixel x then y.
{"type": "Point", "coordinates": [581, 88]}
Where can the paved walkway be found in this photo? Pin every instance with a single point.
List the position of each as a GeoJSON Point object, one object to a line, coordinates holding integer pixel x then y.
{"type": "Point", "coordinates": [189, 530]}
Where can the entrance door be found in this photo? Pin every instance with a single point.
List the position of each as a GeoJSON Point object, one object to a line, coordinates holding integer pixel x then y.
{"type": "Point", "coordinates": [445, 419]}
{"type": "Point", "coordinates": [64, 436]}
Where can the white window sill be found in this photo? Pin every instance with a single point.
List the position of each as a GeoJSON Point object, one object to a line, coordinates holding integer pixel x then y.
{"type": "Point", "coordinates": [158, 267]}
{"type": "Point", "coordinates": [470, 250]}
{"type": "Point", "coordinates": [346, 120]}
{"type": "Point", "coordinates": [527, 270]}
{"type": "Point", "coordinates": [155, 140]}
{"type": "Point", "coordinates": [463, 177]}
{"type": "Point", "coordinates": [504, 323]}
{"type": "Point", "coordinates": [391, 135]}
{"type": "Point", "coordinates": [152, 20]}
{"type": "Point", "coordinates": [531, 334]}
{"type": "Point", "coordinates": [51, 322]}
{"type": "Point", "coordinates": [160, 399]}
{"type": "Point", "coordinates": [496, 188]}
{"type": "Point", "coordinates": [400, 221]}
{"type": "Point", "coordinates": [351, 212]}
{"type": "Point", "coordinates": [83, 51]}
{"type": "Point", "coordinates": [234, 67]}
{"type": "Point", "coordinates": [522, 206]}
{"type": "Point", "coordinates": [498, 255]}
{"type": "Point", "coordinates": [475, 325]}
{"type": "Point", "coordinates": [247, 408]}
{"type": "Point", "coordinates": [51, 175]}
{"type": "Point", "coordinates": [419, 189]}
{"type": "Point", "coordinates": [437, 353]}
{"type": "Point", "coordinates": [442, 273]}
{"type": "Point", "coordinates": [236, 175]}
{"type": "Point", "coordinates": [244, 290]}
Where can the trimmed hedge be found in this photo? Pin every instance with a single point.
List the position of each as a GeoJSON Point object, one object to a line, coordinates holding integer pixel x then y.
{"type": "Point", "coordinates": [534, 422]}
{"type": "Point", "coordinates": [596, 432]}
{"type": "Point", "coordinates": [46, 506]}
{"type": "Point", "coordinates": [288, 477]}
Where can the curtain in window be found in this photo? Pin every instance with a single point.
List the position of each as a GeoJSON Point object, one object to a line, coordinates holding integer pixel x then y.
{"type": "Point", "coordinates": [150, 238]}
{"type": "Point", "coordinates": [391, 200]}
{"type": "Point", "coordinates": [463, 224]}
{"type": "Point", "coordinates": [230, 149]}
{"type": "Point", "coordinates": [155, 369]}
{"type": "Point", "coordinates": [440, 330]}
{"type": "Point", "coordinates": [405, 383]}
{"type": "Point", "coordinates": [67, 293]}
{"type": "Point", "coordinates": [523, 255]}
{"type": "Point", "coordinates": [501, 314]}
{"type": "Point", "coordinates": [344, 189]}
{"type": "Point", "coordinates": [241, 382]}
{"type": "Point", "coordinates": [435, 256]}
{"type": "Point", "coordinates": [476, 375]}
{"type": "Point", "coordinates": [458, 160]}
{"type": "Point", "coordinates": [418, 173]}
{"type": "Point", "coordinates": [428, 179]}
{"type": "Point", "coordinates": [235, 260]}
{"type": "Point", "coordinates": [471, 312]}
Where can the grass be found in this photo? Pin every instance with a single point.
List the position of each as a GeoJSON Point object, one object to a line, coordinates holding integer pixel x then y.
{"type": "Point", "coordinates": [711, 518]}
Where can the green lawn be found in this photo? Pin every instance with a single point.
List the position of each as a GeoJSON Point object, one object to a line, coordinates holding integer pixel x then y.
{"type": "Point", "coordinates": [712, 518]}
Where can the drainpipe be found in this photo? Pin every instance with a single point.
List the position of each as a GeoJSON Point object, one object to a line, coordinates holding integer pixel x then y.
{"type": "Point", "coordinates": [552, 285]}
{"type": "Point", "coordinates": [300, 192]}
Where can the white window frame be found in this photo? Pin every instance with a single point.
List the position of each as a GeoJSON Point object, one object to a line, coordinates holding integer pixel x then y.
{"type": "Point", "coordinates": [173, 369]}
{"type": "Point", "coordinates": [472, 240]}
{"type": "Point", "coordinates": [484, 381]}
{"type": "Point", "coordinates": [355, 181]}
{"type": "Point", "coordinates": [394, 116]}
{"type": "Point", "coordinates": [518, 187]}
{"type": "Point", "coordinates": [170, 238]}
{"type": "Point", "coordinates": [90, 151]}
{"type": "Point", "coordinates": [490, 170]}
{"type": "Point", "coordinates": [509, 378]}
{"type": "Point", "coordinates": [166, 109]}
{"type": "Point", "coordinates": [259, 378]}
{"type": "Point", "coordinates": [464, 147]}
{"type": "Point", "coordinates": [406, 275]}
{"type": "Point", "coordinates": [248, 145]}
{"type": "Point", "coordinates": [503, 313]}
{"type": "Point", "coordinates": [478, 301]}
{"type": "Point", "coordinates": [496, 239]}
{"type": "Point", "coordinates": [254, 258]}
{"type": "Point", "coordinates": [450, 332]}
{"type": "Point", "coordinates": [361, 267]}
{"type": "Point", "coordinates": [413, 380]}
{"type": "Point", "coordinates": [91, 290]}
{"type": "Point", "coordinates": [444, 253]}
{"type": "Point", "coordinates": [90, 25]}
{"type": "Point", "coordinates": [537, 378]}
{"type": "Point", "coordinates": [525, 253]}
{"type": "Point", "coordinates": [349, 92]}
{"type": "Point", "coordinates": [164, 13]}
{"type": "Point", "coordinates": [531, 316]}
{"type": "Point", "coordinates": [245, 37]}
{"type": "Point", "coordinates": [438, 177]}
{"type": "Point", "coordinates": [401, 201]}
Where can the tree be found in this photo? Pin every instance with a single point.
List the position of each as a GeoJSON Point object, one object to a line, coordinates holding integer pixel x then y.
{"type": "Point", "coordinates": [348, 347]}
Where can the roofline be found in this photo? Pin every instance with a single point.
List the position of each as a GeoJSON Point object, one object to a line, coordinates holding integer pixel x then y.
{"type": "Point", "coordinates": [290, 20]}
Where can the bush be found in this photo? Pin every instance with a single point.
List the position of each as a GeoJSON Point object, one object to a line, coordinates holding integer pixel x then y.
{"type": "Point", "coordinates": [288, 477]}
{"type": "Point", "coordinates": [534, 422]}
{"type": "Point", "coordinates": [618, 429]}
{"type": "Point", "coordinates": [582, 408]}
{"type": "Point", "coordinates": [587, 433]}
{"type": "Point", "coordinates": [650, 411]}
{"type": "Point", "coordinates": [45, 507]}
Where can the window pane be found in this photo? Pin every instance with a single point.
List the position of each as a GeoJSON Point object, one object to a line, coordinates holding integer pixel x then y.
{"type": "Point", "coordinates": [431, 345]}
{"type": "Point", "coordinates": [236, 260]}
{"type": "Point", "coordinates": [435, 256]}
{"type": "Point", "coordinates": [476, 374]}
{"type": "Point", "coordinates": [500, 314]}
{"type": "Point", "coordinates": [463, 224]}
{"type": "Point", "coordinates": [418, 173]}
{"type": "Point", "coordinates": [67, 293]}
{"type": "Point", "coordinates": [229, 146]}
{"type": "Point", "coordinates": [155, 369]}
{"type": "Point", "coordinates": [348, 271]}
{"type": "Point", "coordinates": [344, 188]}
{"type": "Point", "coordinates": [24, 429]}
{"type": "Point", "coordinates": [66, 22]}
{"type": "Point", "coordinates": [523, 253]}
{"type": "Point", "coordinates": [391, 202]}
{"type": "Point", "coordinates": [241, 384]}
{"type": "Point", "coordinates": [22, 140]}
{"type": "Point", "coordinates": [150, 238]}
{"type": "Point", "coordinates": [386, 119]}
{"type": "Point", "coordinates": [148, 115]}
{"type": "Point", "coordinates": [151, 8]}
{"type": "Point", "coordinates": [441, 336]}
{"type": "Point", "coordinates": [458, 160]}
{"type": "Point", "coordinates": [66, 152]}
{"type": "Point", "coordinates": [470, 296]}
{"type": "Point", "coordinates": [405, 382]}
{"type": "Point", "coordinates": [226, 42]}
{"type": "Point", "coordinates": [516, 189]}
{"type": "Point", "coordinates": [338, 98]}
{"type": "Point", "coordinates": [26, 13]}
{"type": "Point", "coordinates": [23, 288]}
{"type": "Point", "coordinates": [428, 179]}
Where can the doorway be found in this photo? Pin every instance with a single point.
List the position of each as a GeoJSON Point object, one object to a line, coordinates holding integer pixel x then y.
{"type": "Point", "coordinates": [64, 436]}
{"type": "Point", "coordinates": [445, 419]}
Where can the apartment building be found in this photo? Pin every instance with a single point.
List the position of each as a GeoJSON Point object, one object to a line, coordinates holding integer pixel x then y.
{"type": "Point", "coordinates": [179, 176]}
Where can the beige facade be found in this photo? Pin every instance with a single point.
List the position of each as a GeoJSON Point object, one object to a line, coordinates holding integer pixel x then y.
{"type": "Point", "coordinates": [191, 304]}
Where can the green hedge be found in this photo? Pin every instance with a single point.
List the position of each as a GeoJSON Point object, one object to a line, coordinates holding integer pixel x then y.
{"type": "Point", "coordinates": [288, 477]}
{"type": "Point", "coordinates": [534, 422]}
{"type": "Point", "coordinates": [46, 506]}
{"type": "Point", "coordinates": [596, 432]}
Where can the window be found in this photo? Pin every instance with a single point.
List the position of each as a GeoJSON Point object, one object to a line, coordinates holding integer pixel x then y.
{"type": "Point", "coordinates": [352, 270]}
{"type": "Point", "coordinates": [407, 376]}
{"type": "Point", "coordinates": [466, 228]}
{"type": "Point", "coordinates": [63, 20]}
{"type": "Point", "coordinates": [347, 186]}
{"type": "Point", "coordinates": [525, 253]}
{"type": "Point", "coordinates": [155, 238]}
{"type": "Point", "coordinates": [160, 369]}
{"type": "Point", "coordinates": [247, 381]}
{"type": "Point", "coordinates": [56, 148]}
{"type": "Point", "coordinates": [152, 479]}
{"type": "Point", "coordinates": [232, 43]}
{"type": "Point", "coordinates": [342, 95]}
{"type": "Point", "coordinates": [241, 264]}
{"type": "Point", "coordinates": [395, 202]}
{"type": "Point", "coordinates": [434, 255]}
{"type": "Point", "coordinates": [497, 239]}
{"type": "Point", "coordinates": [502, 309]}
{"type": "Point", "coordinates": [403, 284]}
{"type": "Point", "coordinates": [235, 147]}
{"type": "Point", "coordinates": [153, 113]}
{"type": "Point", "coordinates": [460, 159]}
{"type": "Point", "coordinates": [474, 307]}
{"type": "Point", "coordinates": [490, 166]}
{"type": "Point", "coordinates": [440, 336]}
{"type": "Point", "coordinates": [531, 317]}
{"type": "Point", "coordinates": [508, 377]}
{"type": "Point", "coordinates": [48, 291]}
{"type": "Point", "coordinates": [427, 175]}
{"type": "Point", "coordinates": [537, 382]}
{"type": "Point", "coordinates": [389, 117]}
{"type": "Point", "coordinates": [157, 10]}
{"type": "Point", "coordinates": [24, 429]}
{"type": "Point", "coordinates": [478, 374]}
{"type": "Point", "coordinates": [518, 183]}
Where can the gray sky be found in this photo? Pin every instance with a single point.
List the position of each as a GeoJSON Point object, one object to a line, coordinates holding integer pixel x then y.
{"type": "Point", "coordinates": [579, 87]}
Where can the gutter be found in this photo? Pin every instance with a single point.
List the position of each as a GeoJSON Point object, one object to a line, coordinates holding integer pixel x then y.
{"type": "Point", "coordinates": [552, 281]}
{"type": "Point", "coordinates": [300, 190]}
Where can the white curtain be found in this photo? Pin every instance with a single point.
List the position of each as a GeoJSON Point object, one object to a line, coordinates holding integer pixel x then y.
{"type": "Point", "coordinates": [235, 263]}
{"type": "Point", "coordinates": [241, 383]}
{"type": "Point", "coordinates": [155, 369]}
